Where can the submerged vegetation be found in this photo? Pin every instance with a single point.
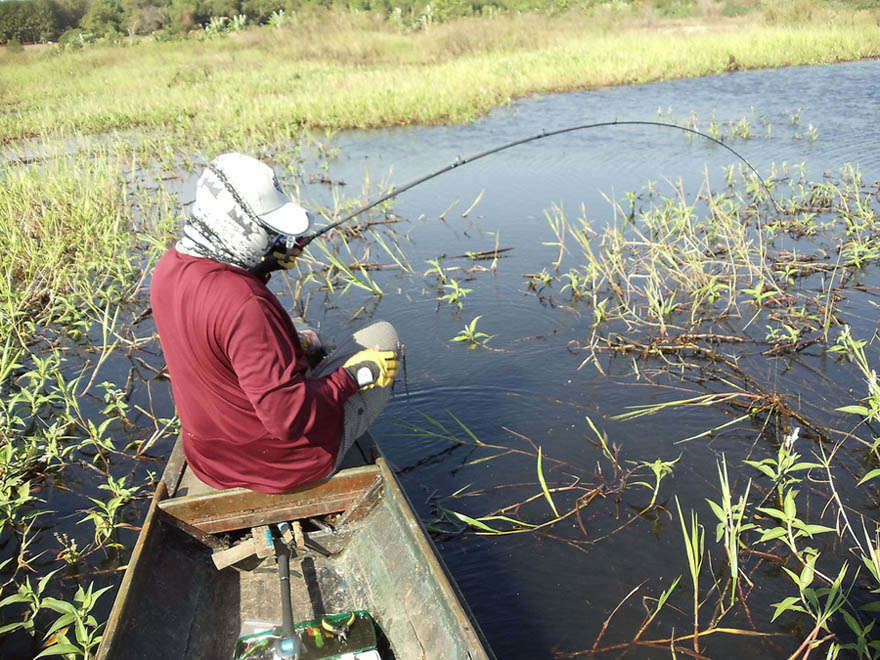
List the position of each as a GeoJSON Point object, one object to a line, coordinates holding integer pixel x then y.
{"type": "Point", "coordinates": [724, 297]}
{"type": "Point", "coordinates": [705, 294]}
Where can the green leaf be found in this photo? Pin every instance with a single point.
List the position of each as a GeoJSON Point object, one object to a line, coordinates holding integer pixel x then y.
{"type": "Point", "coordinates": [461, 424]}
{"type": "Point", "coordinates": [766, 470]}
{"type": "Point", "coordinates": [851, 622]}
{"type": "Point", "coordinates": [717, 510]}
{"type": "Point", "coordinates": [816, 529]}
{"type": "Point", "coordinates": [854, 410]}
{"type": "Point", "coordinates": [806, 577]}
{"type": "Point", "coordinates": [873, 473]}
{"type": "Point", "coordinates": [666, 594]}
{"type": "Point", "coordinates": [546, 490]}
{"type": "Point", "coordinates": [804, 466]}
{"type": "Point", "coordinates": [473, 522]}
{"type": "Point", "coordinates": [60, 606]}
{"type": "Point", "coordinates": [773, 513]}
{"type": "Point", "coordinates": [60, 622]}
{"type": "Point", "coordinates": [41, 585]}
{"type": "Point", "coordinates": [510, 520]}
{"type": "Point", "coordinates": [10, 627]}
{"type": "Point", "coordinates": [82, 635]}
{"type": "Point", "coordinates": [789, 505]}
{"type": "Point", "coordinates": [871, 607]}
{"type": "Point", "coordinates": [787, 605]}
{"type": "Point", "coordinates": [794, 576]}
{"type": "Point", "coordinates": [62, 648]}
{"type": "Point", "coordinates": [14, 598]}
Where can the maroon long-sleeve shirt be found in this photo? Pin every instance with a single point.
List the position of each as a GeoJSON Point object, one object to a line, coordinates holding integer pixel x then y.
{"type": "Point", "coordinates": [249, 414]}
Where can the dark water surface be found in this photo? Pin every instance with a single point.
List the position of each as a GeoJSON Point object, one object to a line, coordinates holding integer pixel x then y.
{"type": "Point", "coordinates": [534, 594]}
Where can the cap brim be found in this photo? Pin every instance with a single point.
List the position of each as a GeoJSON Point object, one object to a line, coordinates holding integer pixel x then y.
{"type": "Point", "coordinates": [289, 219]}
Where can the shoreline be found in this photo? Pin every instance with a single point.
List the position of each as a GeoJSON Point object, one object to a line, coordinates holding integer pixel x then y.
{"type": "Point", "coordinates": [264, 85]}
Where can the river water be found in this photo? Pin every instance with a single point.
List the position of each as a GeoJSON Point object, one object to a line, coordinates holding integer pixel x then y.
{"type": "Point", "coordinates": [536, 594]}
{"type": "Point", "coordinates": [544, 593]}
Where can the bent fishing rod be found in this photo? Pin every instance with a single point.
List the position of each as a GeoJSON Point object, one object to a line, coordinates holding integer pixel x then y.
{"type": "Point", "coordinates": [301, 242]}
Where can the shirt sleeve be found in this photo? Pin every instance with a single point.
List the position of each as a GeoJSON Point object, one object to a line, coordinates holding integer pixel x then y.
{"type": "Point", "coordinates": [272, 374]}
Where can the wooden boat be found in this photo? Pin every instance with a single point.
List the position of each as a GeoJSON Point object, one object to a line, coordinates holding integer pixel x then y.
{"type": "Point", "coordinates": [365, 550]}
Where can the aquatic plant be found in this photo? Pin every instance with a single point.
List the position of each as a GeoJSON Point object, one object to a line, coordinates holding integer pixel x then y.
{"type": "Point", "coordinates": [472, 336]}
{"type": "Point", "coordinates": [77, 615]}
{"type": "Point", "coordinates": [731, 523]}
{"type": "Point", "coordinates": [694, 542]}
{"type": "Point", "coordinates": [436, 269]}
{"type": "Point", "coordinates": [455, 293]}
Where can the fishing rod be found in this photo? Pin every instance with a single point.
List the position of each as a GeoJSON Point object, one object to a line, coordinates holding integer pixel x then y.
{"type": "Point", "coordinates": [301, 242]}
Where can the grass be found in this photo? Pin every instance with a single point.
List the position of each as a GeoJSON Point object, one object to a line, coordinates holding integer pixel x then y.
{"type": "Point", "coordinates": [350, 71]}
{"type": "Point", "coordinates": [75, 239]}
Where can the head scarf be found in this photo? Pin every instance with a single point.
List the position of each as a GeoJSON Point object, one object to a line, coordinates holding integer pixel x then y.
{"type": "Point", "coordinates": [222, 226]}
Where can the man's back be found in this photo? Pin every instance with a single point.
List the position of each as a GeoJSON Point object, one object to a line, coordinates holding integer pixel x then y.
{"type": "Point", "coordinates": [249, 415]}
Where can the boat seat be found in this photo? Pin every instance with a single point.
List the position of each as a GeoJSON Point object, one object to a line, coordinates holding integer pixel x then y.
{"type": "Point", "coordinates": [191, 485]}
{"type": "Point", "coordinates": [201, 510]}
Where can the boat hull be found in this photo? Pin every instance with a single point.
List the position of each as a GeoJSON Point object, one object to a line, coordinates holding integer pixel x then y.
{"type": "Point", "coordinates": [371, 553]}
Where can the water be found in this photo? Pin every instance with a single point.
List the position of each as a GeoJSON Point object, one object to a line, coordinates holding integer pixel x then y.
{"type": "Point", "coordinates": [536, 594]}
{"type": "Point", "coordinates": [549, 592]}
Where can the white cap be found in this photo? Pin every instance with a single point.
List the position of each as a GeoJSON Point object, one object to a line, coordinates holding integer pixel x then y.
{"type": "Point", "coordinates": [250, 181]}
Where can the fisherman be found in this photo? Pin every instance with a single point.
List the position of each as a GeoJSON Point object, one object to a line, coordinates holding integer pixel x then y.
{"type": "Point", "coordinates": [252, 413]}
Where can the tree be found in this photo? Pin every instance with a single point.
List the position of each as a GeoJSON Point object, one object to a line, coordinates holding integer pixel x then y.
{"type": "Point", "coordinates": [186, 14]}
{"type": "Point", "coordinates": [259, 11]}
{"type": "Point", "coordinates": [29, 21]}
{"type": "Point", "coordinates": [142, 16]}
{"type": "Point", "coordinates": [104, 17]}
{"type": "Point", "coordinates": [71, 12]}
{"type": "Point", "coordinates": [228, 8]}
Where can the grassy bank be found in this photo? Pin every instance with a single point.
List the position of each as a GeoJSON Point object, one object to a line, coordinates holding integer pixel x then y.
{"type": "Point", "coordinates": [354, 71]}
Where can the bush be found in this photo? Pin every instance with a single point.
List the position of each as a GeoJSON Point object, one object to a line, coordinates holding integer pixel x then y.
{"type": "Point", "coordinates": [14, 46]}
{"type": "Point", "coordinates": [75, 38]}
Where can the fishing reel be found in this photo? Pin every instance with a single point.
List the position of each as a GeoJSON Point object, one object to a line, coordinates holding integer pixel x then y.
{"type": "Point", "coordinates": [281, 245]}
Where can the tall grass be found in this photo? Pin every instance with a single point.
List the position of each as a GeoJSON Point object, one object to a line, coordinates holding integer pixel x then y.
{"type": "Point", "coordinates": [348, 71]}
{"type": "Point", "coordinates": [71, 270]}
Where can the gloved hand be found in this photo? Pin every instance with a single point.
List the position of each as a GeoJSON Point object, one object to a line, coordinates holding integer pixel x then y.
{"type": "Point", "coordinates": [370, 367]}
{"type": "Point", "coordinates": [276, 260]}
{"type": "Point", "coordinates": [286, 259]}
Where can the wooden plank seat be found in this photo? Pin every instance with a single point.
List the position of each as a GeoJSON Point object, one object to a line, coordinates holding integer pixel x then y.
{"type": "Point", "coordinates": [196, 506]}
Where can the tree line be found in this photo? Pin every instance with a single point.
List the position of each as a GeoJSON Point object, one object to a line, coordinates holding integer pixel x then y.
{"type": "Point", "coordinates": [43, 21]}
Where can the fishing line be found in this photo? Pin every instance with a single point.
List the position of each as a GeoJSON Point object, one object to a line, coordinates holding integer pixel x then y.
{"type": "Point", "coordinates": [302, 241]}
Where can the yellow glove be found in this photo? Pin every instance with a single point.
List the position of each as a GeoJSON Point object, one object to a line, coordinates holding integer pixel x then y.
{"type": "Point", "coordinates": [276, 260]}
{"type": "Point", "coordinates": [286, 259]}
{"type": "Point", "coordinates": [370, 367]}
